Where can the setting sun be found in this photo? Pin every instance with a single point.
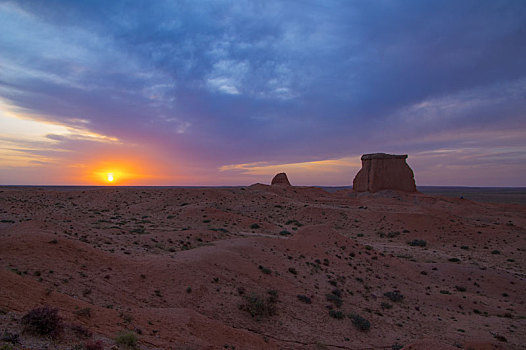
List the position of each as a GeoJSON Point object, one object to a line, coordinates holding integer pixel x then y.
{"type": "Point", "coordinates": [110, 177]}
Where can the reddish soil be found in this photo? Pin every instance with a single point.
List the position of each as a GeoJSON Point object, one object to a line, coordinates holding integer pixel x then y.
{"type": "Point", "coordinates": [178, 267]}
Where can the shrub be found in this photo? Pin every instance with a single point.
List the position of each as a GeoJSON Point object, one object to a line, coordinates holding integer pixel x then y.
{"type": "Point", "coordinates": [417, 243]}
{"type": "Point", "coordinates": [394, 296]}
{"type": "Point", "coordinates": [393, 234]}
{"type": "Point", "coordinates": [43, 321]}
{"type": "Point", "coordinates": [454, 259]}
{"type": "Point", "coordinates": [294, 222]}
{"type": "Point", "coordinates": [80, 331]}
{"type": "Point", "coordinates": [284, 233]}
{"type": "Point", "coordinates": [126, 339]}
{"type": "Point", "coordinates": [293, 271]}
{"type": "Point", "coordinates": [254, 226]}
{"type": "Point", "coordinates": [273, 295]}
{"type": "Point", "coordinates": [360, 322]}
{"type": "Point", "coordinates": [385, 305]}
{"type": "Point", "coordinates": [12, 338]}
{"type": "Point", "coordinates": [265, 270]}
{"type": "Point", "coordinates": [304, 299]}
{"type": "Point", "coordinates": [336, 300]}
{"type": "Point", "coordinates": [336, 314]}
{"type": "Point", "coordinates": [258, 306]}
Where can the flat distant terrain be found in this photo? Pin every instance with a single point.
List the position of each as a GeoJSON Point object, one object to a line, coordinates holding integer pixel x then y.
{"type": "Point", "coordinates": [262, 267]}
{"type": "Point", "coordinates": [480, 194]}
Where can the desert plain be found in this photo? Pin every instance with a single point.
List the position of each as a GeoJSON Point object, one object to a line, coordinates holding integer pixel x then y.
{"type": "Point", "coordinates": [261, 267]}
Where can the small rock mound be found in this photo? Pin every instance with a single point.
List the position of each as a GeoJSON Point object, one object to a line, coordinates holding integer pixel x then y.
{"type": "Point", "coordinates": [381, 171]}
{"type": "Point", "coordinates": [280, 179]}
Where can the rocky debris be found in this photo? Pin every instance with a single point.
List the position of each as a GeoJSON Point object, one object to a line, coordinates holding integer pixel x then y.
{"type": "Point", "coordinates": [381, 171]}
{"type": "Point", "coordinates": [280, 179]}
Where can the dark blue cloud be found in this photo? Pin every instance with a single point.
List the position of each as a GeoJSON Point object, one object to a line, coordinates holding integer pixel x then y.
{"type": "Point", "coordinates": [241, 81]}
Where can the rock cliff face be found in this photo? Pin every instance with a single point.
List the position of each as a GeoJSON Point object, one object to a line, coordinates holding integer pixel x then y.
{"type": "Point", "coordinates": [280, 179]}
{"type": "Point", "coordinates": [381, 171]}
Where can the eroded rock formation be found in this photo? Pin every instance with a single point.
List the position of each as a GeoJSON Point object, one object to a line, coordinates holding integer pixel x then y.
{"type": "Point", "coordinates": [381, 171]}
{"type": "Point", "coordinates": [280, 179]}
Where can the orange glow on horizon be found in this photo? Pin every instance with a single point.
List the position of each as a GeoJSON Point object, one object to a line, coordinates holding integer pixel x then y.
{"type": "Point", "coordinates": [117, 172]}
{"type": "Point", "coordinates": [116, 175]}
{"type": "Point", "coordinates": [127, 167]}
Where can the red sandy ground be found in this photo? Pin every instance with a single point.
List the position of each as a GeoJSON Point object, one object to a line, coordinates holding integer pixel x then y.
{"type": "Point", "coordinates": [132, 255]}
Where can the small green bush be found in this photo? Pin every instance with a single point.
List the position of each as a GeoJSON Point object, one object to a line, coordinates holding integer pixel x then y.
{"type": "Point", "coordinates": [127, 339]}
{"type": "Point", "coordinates": [417, 243]}
{"type": "Point", "coordinates": [258, 306]}
{"type": "Point", "coordinates": [254, 226]}
{"type": "Point", "coordinates": [394, 296]}
{"type": "Point", "coordinates": [360, 322]}
{"type": "Point", "coordinates": [336, 314]}
{"type": "Point", "coordinates": [265, 270]}
{"type": "Point", "coordinates": [336, 300]}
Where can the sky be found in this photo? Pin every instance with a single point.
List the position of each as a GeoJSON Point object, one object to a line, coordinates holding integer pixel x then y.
{"type": "Point", "coordinates": [232, 92]}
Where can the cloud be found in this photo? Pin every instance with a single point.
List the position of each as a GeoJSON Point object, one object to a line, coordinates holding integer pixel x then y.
{"type": "Point", "coordinates": [221, 82]}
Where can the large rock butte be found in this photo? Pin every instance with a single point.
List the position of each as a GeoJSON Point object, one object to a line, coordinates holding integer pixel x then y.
{"type": "Point", "coordinates": [381, 171]}
{"type": "Point", "coordinates": [280, 179]}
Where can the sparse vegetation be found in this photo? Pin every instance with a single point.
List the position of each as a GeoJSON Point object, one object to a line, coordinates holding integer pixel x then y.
{"type": "Point", "coordinates": [335, 299]}
{"type": "Point", "coordinates": [80, 331]}
{"type": "Point", "coordinates": [43, 321]}
{"type": "Point", "coordinates": [360, 322]}
{"type": "Point", "coordinates": [417, 243]}
{"type": "Point", "coordinates": [336, 314]}
{"type": "Point", "coordinates": [258, 306]}
{"type": "Point", "coordinates": [126, 339]}
{"type": "Point", "coordinates": [394, 296]}
{"type": "Point", "coordinates": [265, 270]}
